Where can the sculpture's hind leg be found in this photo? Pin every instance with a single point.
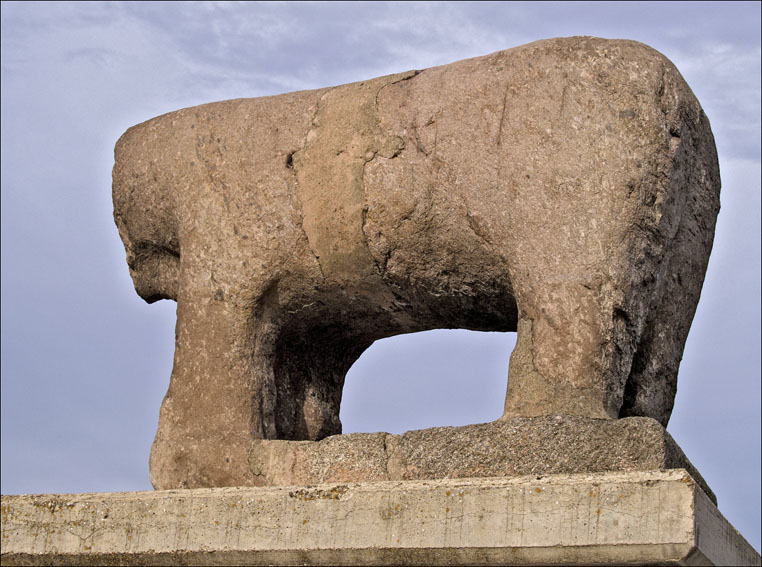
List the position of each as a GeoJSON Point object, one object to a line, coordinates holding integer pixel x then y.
{"type": "Point", "coordinates": [558, 366]}
{"type": "Point", "coordinates": [568, 266]}
{"type": "Point", "coordinates": [651, 387]}
{"type": "Point", "coordinates": [677, 280]}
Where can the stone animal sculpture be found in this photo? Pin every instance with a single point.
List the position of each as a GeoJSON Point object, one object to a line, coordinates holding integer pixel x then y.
{"type": "Point", "coordinates": [566, 189]}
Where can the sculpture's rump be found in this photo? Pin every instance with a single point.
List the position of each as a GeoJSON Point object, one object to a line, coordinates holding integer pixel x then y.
{"type": "Point", "coordinates": [566, 188]}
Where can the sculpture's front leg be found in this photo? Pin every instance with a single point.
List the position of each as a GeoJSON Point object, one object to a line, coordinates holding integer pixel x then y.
{"type": "Point", "coordinates": [219, 399]}
{"type": "Point", "coordinates": [246, 369]}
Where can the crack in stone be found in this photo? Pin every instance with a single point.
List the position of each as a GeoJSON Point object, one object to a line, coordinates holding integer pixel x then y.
{"type": "Point", "coordinates": [294, 167]}
{"type": "Point", "coordinates": [410, 74]}
{"type": "Point", "coordinates": [502, 119]}
{"type": "Point", "coordinates": [389, 451]}
{"type": "Point", "coordinates": [419, 145]}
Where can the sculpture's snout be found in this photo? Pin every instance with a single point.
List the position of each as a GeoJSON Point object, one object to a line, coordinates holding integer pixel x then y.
{"type": "Point", "coordinates": [146, 215]}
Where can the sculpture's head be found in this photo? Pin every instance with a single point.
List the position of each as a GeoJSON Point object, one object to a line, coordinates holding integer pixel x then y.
{"type": "Point", "coordinates": [145, 212]}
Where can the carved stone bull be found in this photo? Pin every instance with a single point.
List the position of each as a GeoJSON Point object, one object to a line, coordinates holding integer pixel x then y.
{"type": "Point", "coordinates": [565, 189]}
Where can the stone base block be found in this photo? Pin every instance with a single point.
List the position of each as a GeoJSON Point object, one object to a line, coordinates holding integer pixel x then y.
{"type": "Point", "coordinates": [615, 518]}
{"type": "Point", "coordinates": [514, 447]}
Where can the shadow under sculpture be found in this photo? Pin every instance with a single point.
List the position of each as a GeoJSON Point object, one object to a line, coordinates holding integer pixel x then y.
{"type": "Point", "coordinates": [566, 189]}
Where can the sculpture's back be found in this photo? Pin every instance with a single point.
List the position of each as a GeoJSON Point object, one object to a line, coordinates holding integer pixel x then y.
{"type": "Point", "coordinates": [567, 189]}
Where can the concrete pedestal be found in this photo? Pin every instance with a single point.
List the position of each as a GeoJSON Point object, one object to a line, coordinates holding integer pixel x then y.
{"type": "Point", "coordinates": [618, 518]}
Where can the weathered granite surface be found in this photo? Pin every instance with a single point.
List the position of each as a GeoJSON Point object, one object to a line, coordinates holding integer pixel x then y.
{"type": "Point", "coordinates": [635, 518]}
{"type": "Point", "coordinates": [516, 447]}
{"type": "Point", "coordinates": [565, 189]}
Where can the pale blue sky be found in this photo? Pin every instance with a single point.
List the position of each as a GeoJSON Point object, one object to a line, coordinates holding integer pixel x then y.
{"type": "Point", "coordinates": [85, 363]}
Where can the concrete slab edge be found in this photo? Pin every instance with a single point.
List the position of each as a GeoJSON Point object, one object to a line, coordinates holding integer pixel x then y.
{"type": "Point", "coordinates": [616, 518]}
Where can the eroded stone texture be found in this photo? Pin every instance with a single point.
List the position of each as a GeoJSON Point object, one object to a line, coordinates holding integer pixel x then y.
{"type": "Point", "coordinates": [506, 448]}
{"type": "Point", "coordinates": [566, 189]}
